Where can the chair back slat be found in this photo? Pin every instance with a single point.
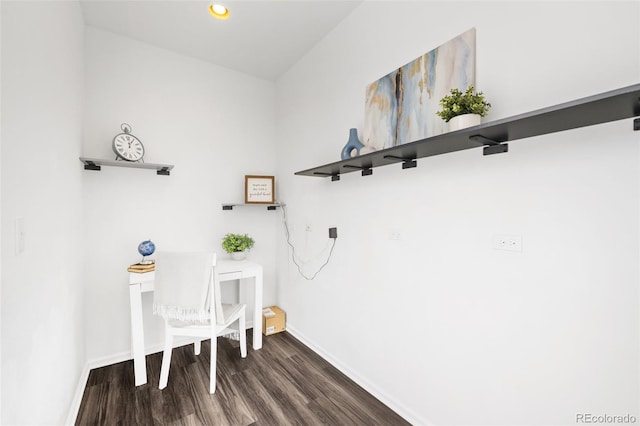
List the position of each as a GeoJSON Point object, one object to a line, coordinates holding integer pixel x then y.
{"type": "Point", "coordinates": [217, 301]}
{"type": "Point", "coordinates": [182, 285]}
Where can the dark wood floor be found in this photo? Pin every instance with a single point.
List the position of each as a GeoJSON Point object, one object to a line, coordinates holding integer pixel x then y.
{"type": "Point", "coordinates": [284, 383]}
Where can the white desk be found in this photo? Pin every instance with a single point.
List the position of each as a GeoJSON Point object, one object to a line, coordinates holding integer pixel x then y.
{"type": "Point", "coordinates": [226, 270]}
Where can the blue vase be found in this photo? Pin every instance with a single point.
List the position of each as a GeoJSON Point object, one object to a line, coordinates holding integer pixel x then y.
{"type": "Point", "coordinates": [352, 144]}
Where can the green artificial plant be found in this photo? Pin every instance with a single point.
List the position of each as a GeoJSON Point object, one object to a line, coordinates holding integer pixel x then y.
{"type": "Point", "coordinates": [458, 103]}
{"type": "Point", "coordinates": [232, 243]}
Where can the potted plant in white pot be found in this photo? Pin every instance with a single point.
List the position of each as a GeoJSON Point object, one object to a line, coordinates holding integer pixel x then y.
{"type": "Point", "coordinates": [237, 245]}
{"type": "Point", "coordinates": [463, 109]}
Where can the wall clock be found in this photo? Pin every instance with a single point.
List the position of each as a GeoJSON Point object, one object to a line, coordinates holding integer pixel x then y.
{"type": "Point", "coordinates": [126, 146]}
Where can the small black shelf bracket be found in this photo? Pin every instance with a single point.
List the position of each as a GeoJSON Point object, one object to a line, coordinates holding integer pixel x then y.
{"type": "Point", "coordinates": [271, 207]}
{"type": "Point", "coordinates": [407, 162]}
{"type": "Point", "coordinates": [163, 171]}
{"type": "Point", "coordinates": [636, 124]}
{"type": "Point", "coordinates": [366, 171]}
{"type": "Point", "coordinates": [90, 165]}
{"type": "Point", "coordinates": [227, 207]}
{"type": "Point", "coordinates": [491, 146]}
{"type": "Point", "coordinates": [334, 177]}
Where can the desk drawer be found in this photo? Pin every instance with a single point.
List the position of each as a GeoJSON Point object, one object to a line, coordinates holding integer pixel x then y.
{"type": "Point", "coordinates": [228, 276]}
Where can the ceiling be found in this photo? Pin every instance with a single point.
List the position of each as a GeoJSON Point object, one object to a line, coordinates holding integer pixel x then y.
{"type": "Point", "coordinates": [263, 38]}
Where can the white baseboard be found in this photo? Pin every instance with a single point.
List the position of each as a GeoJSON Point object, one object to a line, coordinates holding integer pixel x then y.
{"type": "Point", "coordinates": [386, 399]}
{"type": "Point", "coordinates": [77, 397]}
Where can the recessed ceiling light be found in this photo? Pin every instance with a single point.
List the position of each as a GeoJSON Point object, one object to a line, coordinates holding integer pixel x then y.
{"type": "Point", "coordinates": [219, 11]}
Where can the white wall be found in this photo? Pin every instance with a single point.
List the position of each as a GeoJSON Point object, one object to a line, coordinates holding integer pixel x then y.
{"type": "Point", "coordinates": [214, 125]}
{"type": "Point", "coordinates": [42, 288]}
{"type": "Point", "coordinates": [442, 327]}
{"type": "Point", "coordinates": [1, 215]}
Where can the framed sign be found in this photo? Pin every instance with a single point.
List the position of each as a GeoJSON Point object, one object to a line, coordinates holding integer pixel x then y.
{"type": "Point", "coordinates": [259, 189]}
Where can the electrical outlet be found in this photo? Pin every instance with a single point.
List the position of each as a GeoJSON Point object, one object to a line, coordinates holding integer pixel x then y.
{"type": "Point", "coordinates": [507, 242]}
{"type": "Point", "coordinates": [333, 232]}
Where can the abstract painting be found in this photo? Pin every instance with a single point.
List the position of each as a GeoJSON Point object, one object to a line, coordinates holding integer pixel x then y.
{"type": "Point", "coordinates": [401, 106]}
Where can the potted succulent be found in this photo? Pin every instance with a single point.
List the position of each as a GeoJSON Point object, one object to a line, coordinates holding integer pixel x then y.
{"type": "Point", "coordinates": [237, 245]}
{"type": "Point", "coordinates": [463, 109]}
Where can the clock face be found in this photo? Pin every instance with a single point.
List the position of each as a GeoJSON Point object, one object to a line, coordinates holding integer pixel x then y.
{"type": "Point", "coordinates": [128, 147]}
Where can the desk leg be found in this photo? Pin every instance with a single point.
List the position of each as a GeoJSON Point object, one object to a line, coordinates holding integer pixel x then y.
{"type": "Point", "coordinates": [257, 313]}
{"type": "Point", "coordinates": [137, 335]}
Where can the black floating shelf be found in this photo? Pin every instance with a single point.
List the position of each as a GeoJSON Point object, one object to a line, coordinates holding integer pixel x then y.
{"type": "Point", "coordinates": [603, 108]}
{"type": "Point", "coordinates": [230, 206]}
{"type": "Point", "coordinates": [96, 164]}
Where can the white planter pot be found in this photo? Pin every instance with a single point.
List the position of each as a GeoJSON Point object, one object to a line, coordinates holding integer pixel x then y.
{"type": "Point", "coordinates": [239, 255]}
{"type": "Point", "coordinates": [463, 121]}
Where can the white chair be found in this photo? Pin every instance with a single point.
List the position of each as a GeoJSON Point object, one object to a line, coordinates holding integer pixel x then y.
{"type": "Point", "coordinates": [187, 296]}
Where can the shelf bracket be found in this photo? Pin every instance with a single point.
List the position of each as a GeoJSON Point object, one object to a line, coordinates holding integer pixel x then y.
{"type": "Point", "coordinates": [227, 207]}
{"type": "Point", "coordinates": [164, 171]}
{"type": "Point", "coordinates": [366, 171]}
{"type": "Point", "coordinates": [491, 146]}
{"type": "Point", "coordinates": [636, 124]}
{"type": "Point", "coordinates": [90, 165]}
{"type": "Point", "coordinates": [408, 162]}
{"type": "Point", "coordinates": [334, 177]}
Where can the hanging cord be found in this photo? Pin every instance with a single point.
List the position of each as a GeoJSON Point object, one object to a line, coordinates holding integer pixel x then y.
{"type": "Point", "coordinates": [293, 249]}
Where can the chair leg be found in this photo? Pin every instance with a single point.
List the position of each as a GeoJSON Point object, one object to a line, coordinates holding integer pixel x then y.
{"type": "Point", "coordinates": [212, 370]}
{"type": "Point", "coordinates": [196, 346]}
{"type": "Point", "coordinates": [166, 359]}
{"type": "Point", "coordinates": [243, 335]}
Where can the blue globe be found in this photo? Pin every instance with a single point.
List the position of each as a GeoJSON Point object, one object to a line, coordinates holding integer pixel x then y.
{"type": "Point", "coordinates": [146, 248]}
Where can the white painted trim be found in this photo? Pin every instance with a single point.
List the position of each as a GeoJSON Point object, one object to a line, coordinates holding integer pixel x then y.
{"type": "Point", "coordinates": [385, 398]}
{"type": "Point", "coordinates": [77, 397]}
{"type": "Point", "coordinates": [127, 355]}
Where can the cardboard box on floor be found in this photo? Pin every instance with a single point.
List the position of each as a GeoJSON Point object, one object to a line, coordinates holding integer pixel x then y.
{"type": "Point", "coordinates": [273, 320]}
